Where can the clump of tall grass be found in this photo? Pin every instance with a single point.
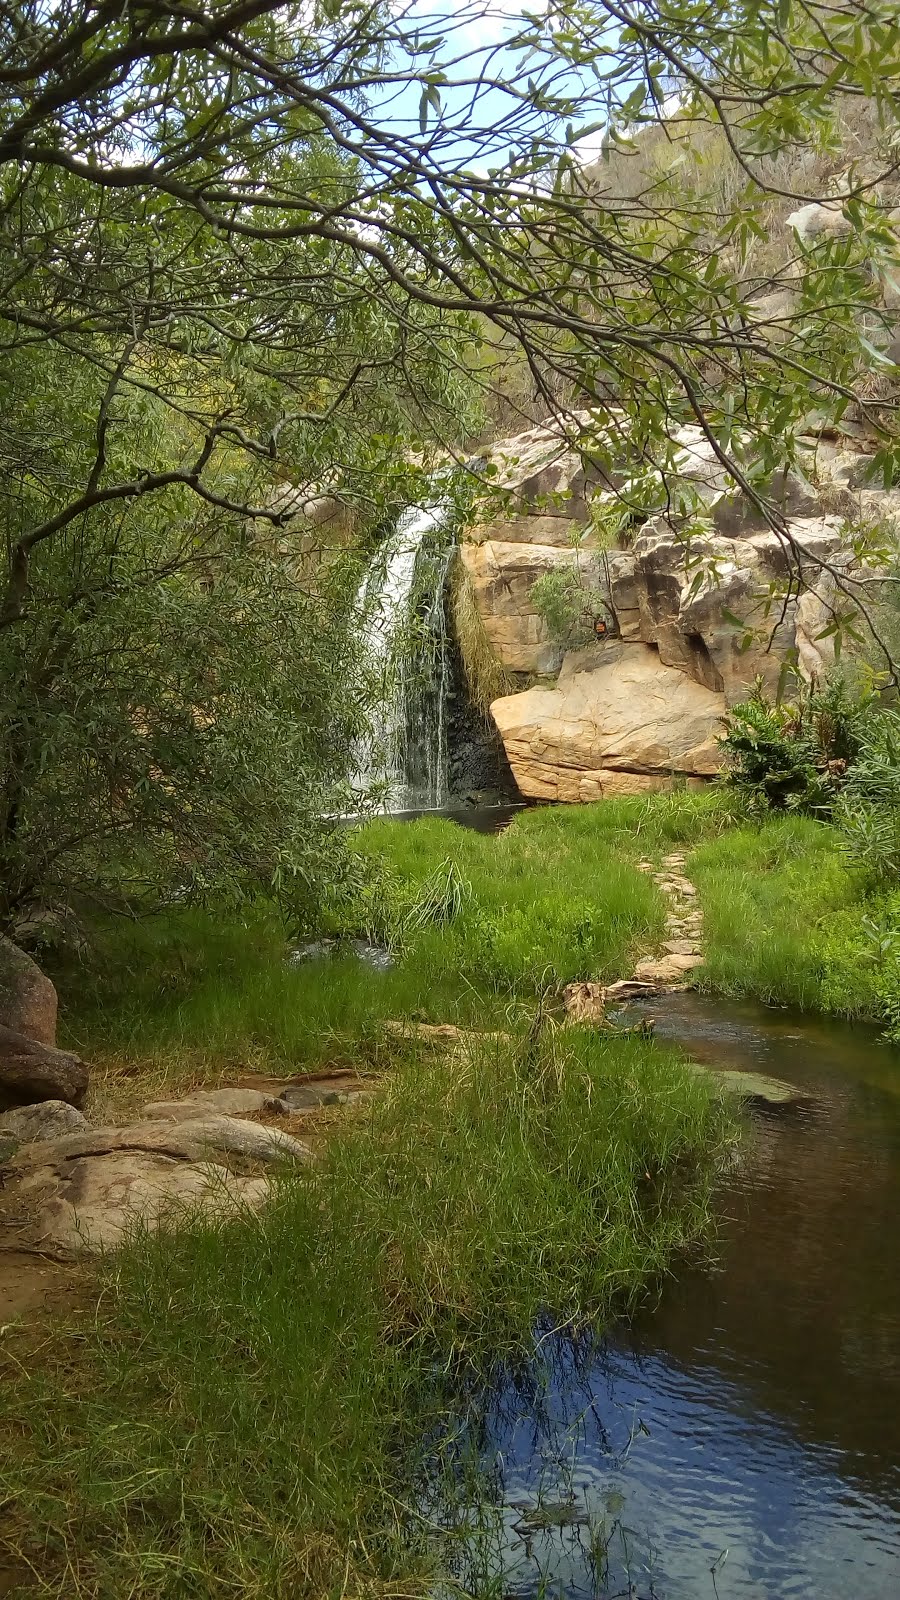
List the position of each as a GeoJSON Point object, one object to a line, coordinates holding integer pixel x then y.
{"type": "Point", "coordinates": [250, 1405]}
{"type": "Point", "coordinates": [486, 677]}
{"type": "Point", "coordinates": [539, 909]}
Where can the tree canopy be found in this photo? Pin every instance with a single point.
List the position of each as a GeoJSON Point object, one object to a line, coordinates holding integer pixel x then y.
{"type": "Point", "coordinates": [244, 245]}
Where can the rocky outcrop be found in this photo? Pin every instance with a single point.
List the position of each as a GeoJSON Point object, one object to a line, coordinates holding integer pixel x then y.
{"type": "Point", "coordinates": [88, 1190]}
{"type": "Point", "coordinates": [92, 1204]}
{"type": "Point", "coordinates": [618, 721]}
{"type": "Point", "coordinates": [701, 598]}
{"type": "Point", "coordinates": [712, 605]}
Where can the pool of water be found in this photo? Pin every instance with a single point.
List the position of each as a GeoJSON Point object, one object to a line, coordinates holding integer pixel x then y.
{"type": "Point", "coordinates": [483, 819]}
{"type": "Point", "coordinates": [741, 1438]}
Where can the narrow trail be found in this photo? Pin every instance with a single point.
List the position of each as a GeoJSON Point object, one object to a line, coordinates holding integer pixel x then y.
{"type": "Point", "coordinates": [682, 951]}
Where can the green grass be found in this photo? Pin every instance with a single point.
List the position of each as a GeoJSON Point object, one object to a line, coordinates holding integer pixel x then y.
{"type": "Point", "coordinates": [480, 926]}
{"type": "Point", "coordinates": [191, 992]}
{"type": "Point", "coordinates": [556, 897]}
{"type": "Point", "coordinates": [246, 1414]}
{"type": "Point", "coordinates": [784, 918]}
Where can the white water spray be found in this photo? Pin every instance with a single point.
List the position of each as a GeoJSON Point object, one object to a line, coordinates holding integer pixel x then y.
{"type": "Point", "coordinates": [406, 650]}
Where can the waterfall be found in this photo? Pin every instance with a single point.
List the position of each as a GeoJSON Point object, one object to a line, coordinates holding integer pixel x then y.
{"type": "Point", "coordinates": [400, 604]}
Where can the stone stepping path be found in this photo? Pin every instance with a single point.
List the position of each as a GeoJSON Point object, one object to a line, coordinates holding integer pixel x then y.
{"type": "Point", "coordinates": [681, 950]}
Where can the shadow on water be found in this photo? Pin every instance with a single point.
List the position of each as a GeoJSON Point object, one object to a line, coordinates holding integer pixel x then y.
{"type": "Point", "coordinates": [482, 819]}
{"type": "Point", "coordinates": [740, 1439]}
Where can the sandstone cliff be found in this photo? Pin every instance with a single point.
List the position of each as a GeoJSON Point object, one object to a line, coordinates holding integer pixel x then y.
{"type": "Point", "coordinates": [694, 602]}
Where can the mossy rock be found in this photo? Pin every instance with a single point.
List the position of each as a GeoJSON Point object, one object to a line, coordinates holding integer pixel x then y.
{"type": "Point", "coordinates": [754, 1085]}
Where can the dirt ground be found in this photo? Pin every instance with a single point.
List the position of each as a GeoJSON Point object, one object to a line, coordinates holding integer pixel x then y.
{"type": "Point", "coordinates": [34, 1287]}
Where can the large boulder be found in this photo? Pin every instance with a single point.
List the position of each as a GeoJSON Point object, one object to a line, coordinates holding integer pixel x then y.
{"type": "Point", "coordinates": [618, 721]}
{"type": "Point", "coordinates": [30, 1071]}
{"type": "Point", "coordinates": [27, 997]}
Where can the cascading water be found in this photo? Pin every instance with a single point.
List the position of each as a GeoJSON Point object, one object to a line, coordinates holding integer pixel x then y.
{"type": "Point", "coordinates": [401, 607]}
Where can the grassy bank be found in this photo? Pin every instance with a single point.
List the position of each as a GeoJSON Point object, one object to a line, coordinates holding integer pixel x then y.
{"type": "Point", "coordinates": [556, 897]}
{"type": "Point", "coordinates": [244, 1417]}
{"type": "Point", "coordinates": [250, 1411]}
{"type": "Point", "coordinates": [478, 926]}
{"type": "Point", "coordinates": [788, 920]}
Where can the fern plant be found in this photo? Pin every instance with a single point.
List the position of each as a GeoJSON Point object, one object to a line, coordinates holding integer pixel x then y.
{"type": "Point", "coordinates": [869, 809]}
{"type": "Point", "coordinates": [794, 755]}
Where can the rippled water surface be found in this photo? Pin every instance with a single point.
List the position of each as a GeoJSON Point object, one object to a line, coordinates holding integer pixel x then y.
{"type": "Point", "coordinates": [742, 1439]}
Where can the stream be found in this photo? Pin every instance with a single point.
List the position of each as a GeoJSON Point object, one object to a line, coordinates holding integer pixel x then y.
{"type": "Point", "coordinates": [741, 1438]}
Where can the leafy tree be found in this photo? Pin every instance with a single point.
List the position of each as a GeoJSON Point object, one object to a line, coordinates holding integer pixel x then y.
{"type": "Point", "coordinates": [182, 688]}
{"type": "Point", "coordinates": [224, 180]}
{"type": "Point", "coordinates": [248, 241]}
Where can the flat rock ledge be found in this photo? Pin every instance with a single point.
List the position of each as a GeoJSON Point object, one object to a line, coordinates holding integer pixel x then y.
{"type": "Point", "coordinates": [70, 1188]}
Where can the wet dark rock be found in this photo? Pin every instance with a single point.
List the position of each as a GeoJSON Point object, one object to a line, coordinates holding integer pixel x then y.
{"type": "Point", "coordinates": [477, 761]}
{"type": "Point", "coordinates": [30, 1071]}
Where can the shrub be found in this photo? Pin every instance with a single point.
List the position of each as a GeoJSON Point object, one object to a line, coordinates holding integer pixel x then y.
{"type": "Point", "coordinates": [794, 756]}
{"type": "Point", "coordinates": [567, 606]}
{"type": "Point", "coordinates": [869, 808]}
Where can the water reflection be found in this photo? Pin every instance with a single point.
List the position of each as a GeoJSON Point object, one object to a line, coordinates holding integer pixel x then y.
{"type": "Point", "coordinates": [742, 1438]}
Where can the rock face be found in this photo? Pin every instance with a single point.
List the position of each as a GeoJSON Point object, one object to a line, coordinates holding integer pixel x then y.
{"type": "Point", "coordinates": [701, 599]}
{"type": "Point", "coordinates": [708, 604]}
{"type": "Point", "coordinates": [503, 575]}
{"type": "Point", "coordinates": [27, 997]}
{"type": "Point", "coordinates": [619, 721]}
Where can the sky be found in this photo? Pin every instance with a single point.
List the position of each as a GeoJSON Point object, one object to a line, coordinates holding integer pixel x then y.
{"type": "Point", "coordinates": [478, 40]}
